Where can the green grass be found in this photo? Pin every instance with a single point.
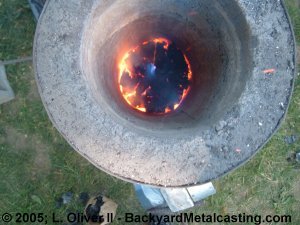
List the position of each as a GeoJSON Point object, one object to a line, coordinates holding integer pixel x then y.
{"type": "Point", "coordinates": [37, 165]}
{"type": "Point", "coordinates": [293, 8]}
{"type": "Point", "coordinates": [16, 29]}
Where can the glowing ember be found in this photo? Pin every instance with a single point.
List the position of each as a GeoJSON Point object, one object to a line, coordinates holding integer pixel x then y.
{"type": "Point", "coordinates": [155, 76]}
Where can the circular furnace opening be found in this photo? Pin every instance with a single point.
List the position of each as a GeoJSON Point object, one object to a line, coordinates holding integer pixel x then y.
{"type": "Point", "coordinates": [214, 43]}
{"type": "Point", "coordinates": [155, 77]}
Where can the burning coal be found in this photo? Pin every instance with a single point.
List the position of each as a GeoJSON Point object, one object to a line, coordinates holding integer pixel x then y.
{"type": "Point", "coordinates": [155, 76]}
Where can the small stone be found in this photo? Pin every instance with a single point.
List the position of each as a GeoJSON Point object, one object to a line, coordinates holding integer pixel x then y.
{"type": "Point", "coordinates": [260, 124]}
{"type": "Point", "coordinates": [225, 149]}
{"type": "Point", "coordinates": [219, 128]}
{"type": "Point", "coordinates": [290, 139]}
{"type": "Point", "coordinates": [238, 150]}
{"type": "Point", "coordinates": [281, 105]}
{"type": "Point", "coordinates": [67, 197]}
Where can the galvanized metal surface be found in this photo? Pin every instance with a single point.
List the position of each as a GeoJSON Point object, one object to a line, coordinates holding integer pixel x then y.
{"type": "Point", "coordinates": [176, 199]}
{"type": "Point", "coordinates": [201, 192]}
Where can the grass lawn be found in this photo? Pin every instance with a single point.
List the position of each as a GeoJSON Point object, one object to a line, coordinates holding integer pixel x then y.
{"type": "Point", "coordinates": [37, 165]}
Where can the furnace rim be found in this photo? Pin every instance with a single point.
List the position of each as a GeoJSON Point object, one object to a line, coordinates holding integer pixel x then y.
{"type": "Point", "coordinates": [66, 97]}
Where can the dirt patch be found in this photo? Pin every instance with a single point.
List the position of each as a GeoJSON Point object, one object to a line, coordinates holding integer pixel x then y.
{"type": "Point", "coordinates": [33, 92]}
{"type": "Point", "coordinates": [14, 106]}
{"type": "Point", "coordinates": [296, 190]}
{"type": "Point", "coordinates": [16, 139]}
{"type": "Point", "coordinates": [19, 142]}
{"type": "Point", "coordinates": [41, 160]}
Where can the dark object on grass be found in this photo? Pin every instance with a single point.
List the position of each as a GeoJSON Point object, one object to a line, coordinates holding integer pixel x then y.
{"type": "Point", "coordinates": [100, 210]}
{"type": "Point", "coordinates": [59, 202]}
{"type": "Point", "coordinates": [36, 7]}
{"type": "Point", "coordinates": [291, 157]}
{"type": "Point", "coordinates": [290, 139]}
{"type": "Point", "coordinates": [93, 210]}
{"type": "Point", "coordinates": [83, 197]}
{"type": "Point", "coordinates": [67, 197]}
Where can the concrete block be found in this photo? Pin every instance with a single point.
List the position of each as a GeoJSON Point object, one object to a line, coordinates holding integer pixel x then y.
{"type": "Point", "coordinates": [6, 92]}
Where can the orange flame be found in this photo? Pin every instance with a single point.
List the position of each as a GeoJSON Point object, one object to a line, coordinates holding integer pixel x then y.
{"type": "Point", "coordinates": [130, 95]}
{"type": "Point", "coordinates": [189, 67]}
